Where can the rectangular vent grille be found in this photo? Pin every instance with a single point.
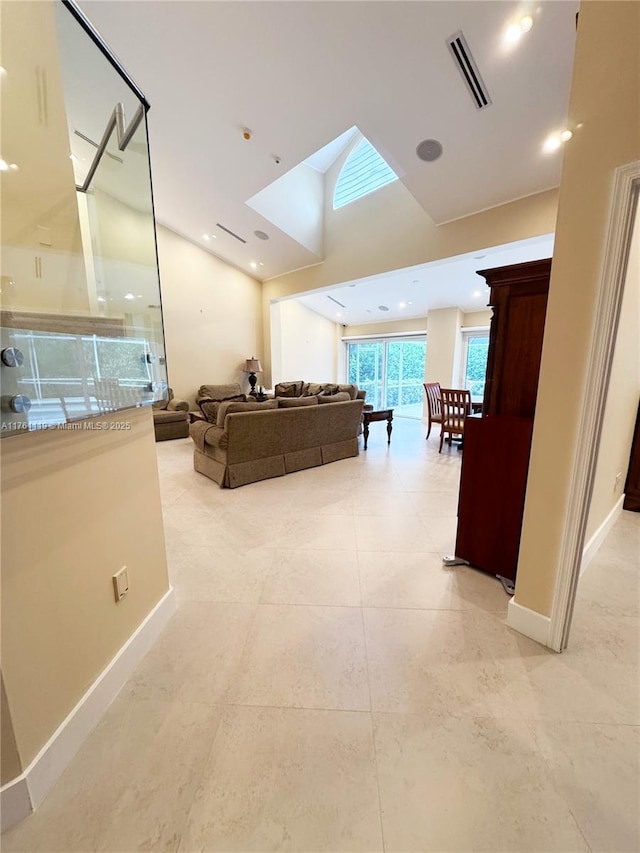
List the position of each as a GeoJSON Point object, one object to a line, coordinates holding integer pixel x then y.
{"type": "Point", "coordinates": [227, 231]}
{"type": "Point", "coordinates": [467, 66]}
{"type": "Point", "coordinates": [336, 301]}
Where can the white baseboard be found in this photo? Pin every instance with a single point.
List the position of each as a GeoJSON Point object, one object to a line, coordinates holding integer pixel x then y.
{"type": "Point", "coordinates": [528, 622]}
{"type": "Point", "coordinates": [22, 795]}
{"type": "Point", "coordinates": [594, 543]}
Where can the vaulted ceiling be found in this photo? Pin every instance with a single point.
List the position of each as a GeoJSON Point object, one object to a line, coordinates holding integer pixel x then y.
{"type": "Point", "coordinates": [300, 74]}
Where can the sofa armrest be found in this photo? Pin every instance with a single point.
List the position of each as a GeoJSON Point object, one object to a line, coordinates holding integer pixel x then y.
{"type": "Point", "coordinates": [362, 395]}
{"type": "Point", "coordinates": [178, 406]}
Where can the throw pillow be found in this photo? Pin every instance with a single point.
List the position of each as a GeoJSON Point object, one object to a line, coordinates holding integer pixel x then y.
{"type": "Point", "coordinates": [209, 409]}
{"type": "Point", "coordinates": [294, 402]}
{"type": "Point", "coordinates": [352, 390]}
{"type": "Point", "coordinates": [340, 397]}
{"type": "Point", "coordinates": [328, 390]}
{"type": "Point", "coordinates": [288, 389]}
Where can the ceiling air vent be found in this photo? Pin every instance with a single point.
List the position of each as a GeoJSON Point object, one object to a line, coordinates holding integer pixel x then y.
{"type": "Point", "coordinates": [232, 233]}
{"type": "Point", "coordinates": [336, 301]}
{"type": "Point", "coordinates": [467, 66]}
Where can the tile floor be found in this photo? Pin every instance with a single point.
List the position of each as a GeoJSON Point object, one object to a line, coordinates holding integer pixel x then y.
{"type": "Point", "coordinates": [326, 685]}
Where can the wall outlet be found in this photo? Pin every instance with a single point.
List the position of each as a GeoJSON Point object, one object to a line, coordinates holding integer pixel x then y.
{"type": "Point", "coordinates": [121, 583]}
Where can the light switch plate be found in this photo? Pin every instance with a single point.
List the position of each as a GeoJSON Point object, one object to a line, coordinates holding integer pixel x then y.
{"type": "Point", "coordinates": [121, 583]}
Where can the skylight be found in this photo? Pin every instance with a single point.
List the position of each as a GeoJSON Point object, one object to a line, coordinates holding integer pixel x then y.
{"type": "Point", "coordinates": [363, 172]}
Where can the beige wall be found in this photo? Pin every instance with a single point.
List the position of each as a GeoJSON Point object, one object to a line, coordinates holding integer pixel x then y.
{"type": "Point", "coordinates": [622, 399]}
{"type": "Point", "coordinates": [605, 101]}
{"type": "Point", "coordinates": [304, 344]}
{"type": "Point", "coordinates": [10, 765]}
{"type": "Point", "coordinates": [477, 318]}
{"type": "Point", "coordinates": [444, 345]}
{"type": "Point", "coordinates": [76, 507]}
{"type": "Point", "coordinates": [213, 317]}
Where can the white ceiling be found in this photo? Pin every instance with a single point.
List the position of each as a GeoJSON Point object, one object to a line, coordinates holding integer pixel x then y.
{"type": "Point", "coordinates": [414, 291]}
{"type": "Point", "coordinates": [299, 74]}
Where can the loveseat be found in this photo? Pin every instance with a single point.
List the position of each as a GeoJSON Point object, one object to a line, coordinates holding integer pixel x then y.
{"type": "Point", "coordinates": [252, 441]}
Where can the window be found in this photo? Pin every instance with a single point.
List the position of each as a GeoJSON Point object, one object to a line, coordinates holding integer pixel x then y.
{"type": "Point", "coordinates": [475, 347]}
{"type": "Point", "coordinates": [391, 371]}
{"type": "Point", "coordinates": [363, 172]}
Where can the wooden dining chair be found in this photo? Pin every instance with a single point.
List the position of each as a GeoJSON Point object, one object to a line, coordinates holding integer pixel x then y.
{"type": "Point", "coordinates": [434, 407]}
{"type": "Point", "coordinates": [456, 405]}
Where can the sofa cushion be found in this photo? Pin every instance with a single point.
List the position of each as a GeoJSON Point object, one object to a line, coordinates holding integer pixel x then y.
{"type": "Point", "coordinates": [289, 389]}
{"type": "Point", "coordinates": [340, 397]}
{"type": "Point", "coordinates": [228, 407]}
{"type": "Point", "coordinates": [219, 392]}
{"type": "Point", "coordinates": [292, 402]}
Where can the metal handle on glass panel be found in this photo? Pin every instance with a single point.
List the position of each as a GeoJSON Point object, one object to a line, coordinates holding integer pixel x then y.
{"type": "Point", "coordinates": [123, 132]}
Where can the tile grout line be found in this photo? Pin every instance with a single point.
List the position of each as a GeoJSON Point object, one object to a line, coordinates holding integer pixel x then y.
{"type": "Point", "coordinates": [372, 722]}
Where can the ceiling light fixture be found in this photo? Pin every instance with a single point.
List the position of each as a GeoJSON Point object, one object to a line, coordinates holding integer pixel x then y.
{"type": "Point", "coordinates": [206, 237]}
{"type": "Point", "coordinates": [101, 299]}
{"type": "Point", "coordinates": [477, 293]}
{"type": "Point", "coordinates": [402, 305]}
{"type": "Point", "coordinates": [515, 32]}
{"type": "Point", "coordinates": [4, 166]}
{"type": "Point", "coordinates": [555, 140]}
{"type": "Point", "coordinates": [129, 296]}
{"type": "Point", "coordinates": [13, 167]}
{"type": "Point", "coordinates": [253, 265]}
{"type": "Point", "coordinates": [3, 71]}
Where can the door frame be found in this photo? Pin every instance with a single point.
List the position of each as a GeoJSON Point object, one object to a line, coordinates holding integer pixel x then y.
{"type": "Point", "coordinates": [624, 202]}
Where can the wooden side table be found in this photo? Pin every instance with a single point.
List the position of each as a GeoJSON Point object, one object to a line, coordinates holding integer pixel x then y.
{"type": "Point", "coordinates": [369, 417]}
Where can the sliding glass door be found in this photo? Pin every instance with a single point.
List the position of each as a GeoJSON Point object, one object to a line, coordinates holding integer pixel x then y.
{"type": "Point", "coordinates": [391, 371]}
{"type": "Point", "coordinates": [475, 348]}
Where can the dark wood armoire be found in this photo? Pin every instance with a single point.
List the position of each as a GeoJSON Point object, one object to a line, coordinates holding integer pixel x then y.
{"type": "Point", "coordinates": [497, 443]}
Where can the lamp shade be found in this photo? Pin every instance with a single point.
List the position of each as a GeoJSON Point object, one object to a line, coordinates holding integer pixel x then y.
{"type": "Point", "coordinates": [252, 365]}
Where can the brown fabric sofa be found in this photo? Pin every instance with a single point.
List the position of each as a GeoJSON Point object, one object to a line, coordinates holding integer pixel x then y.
{"type": "Point", "coordinates": [170, 418]}
{"type": "Point", "coordinates": [269, 442]}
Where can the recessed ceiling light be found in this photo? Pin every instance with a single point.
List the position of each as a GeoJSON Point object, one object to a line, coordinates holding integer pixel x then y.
{"type": "Point", "coordinates": [514, 33]}
{"type": "Point", "coordinates": [3, 71]}
{"type": "Point", "coordinates": [338, 314]}
{"type": "Point", "coordinates": [206, 237]}
{"type": "Point", "coordinates": [129, 296]}
{"type": "Point", "coordinates": [4, 166]}
{"type": "Point", "coordinates": [13, 167]}
{"type": "Point", "coordinates": [566, 135]}
{"type": "Point", "coordinates": [477, 293]}
{"type": "Point", "coordinates": [253, 265]}
{"type": "Point", "coordinates": [139, 296]}
{"type": "Point", "coordinates": [409, 303]}
{"type": "Point", "coordinates": [402, 305]}
{"type": "Point", "coordinates": [552, 143]}
{"type": "Point", "coordinates": [101, 299]}
{"type": "Point", "coordinates": [260, 264]}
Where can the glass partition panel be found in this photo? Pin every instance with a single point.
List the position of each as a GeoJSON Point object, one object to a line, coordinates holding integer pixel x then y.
{"type": "Point", "coordinates": [80, 321]}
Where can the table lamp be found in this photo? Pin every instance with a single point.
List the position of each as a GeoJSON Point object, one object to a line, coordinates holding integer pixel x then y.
{"type": "Point", "coordinates": [252, 366]}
